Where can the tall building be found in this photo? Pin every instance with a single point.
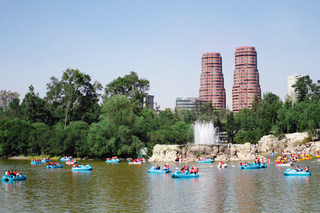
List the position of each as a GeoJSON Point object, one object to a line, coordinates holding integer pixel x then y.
{"type": "Point", "coordinates": [148, 101]}
{"type": "Point", "coordinates": [292, 79]}
{"type": "Point", "coordinates": [211, 80]}
{"type": "Point", "coordinates": [189, 103]}
{"type": "Point", "coordinates": [245, 78]}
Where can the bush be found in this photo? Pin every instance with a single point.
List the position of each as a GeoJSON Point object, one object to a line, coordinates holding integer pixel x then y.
{"type": "Point", "coordinates": [197, 155]}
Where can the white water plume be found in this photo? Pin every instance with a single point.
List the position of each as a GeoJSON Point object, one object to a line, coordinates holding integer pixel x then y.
{"type": "Point", "coordinates": [204, 133]}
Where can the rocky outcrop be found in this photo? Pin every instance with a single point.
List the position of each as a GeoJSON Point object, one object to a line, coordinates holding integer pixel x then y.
{"type": "Point", "coordinates": [291, 142]}
{"type": "Point", "coordinates": [229, 152]}
{"type": "Point", "coordinates": [165, 153]}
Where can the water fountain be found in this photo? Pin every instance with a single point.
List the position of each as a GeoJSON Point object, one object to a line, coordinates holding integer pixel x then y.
{"type": "Point", "coordinates": [205, 133]}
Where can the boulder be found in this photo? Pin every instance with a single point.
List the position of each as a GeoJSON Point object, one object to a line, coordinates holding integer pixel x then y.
{"type": "Point", "coordinates": [165, 153]}
{"type": "Point", "coordinates": [233, 152]}
{"type": "Point", "coordinates": [291, 142]}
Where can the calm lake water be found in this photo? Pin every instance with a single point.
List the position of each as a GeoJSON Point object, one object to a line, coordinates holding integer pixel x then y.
{"type": "Point", "coordinates": [130, 188]}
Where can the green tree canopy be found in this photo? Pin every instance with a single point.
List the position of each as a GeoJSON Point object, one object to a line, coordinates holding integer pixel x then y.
{"type": "Point", "coordinates": [129, 85]}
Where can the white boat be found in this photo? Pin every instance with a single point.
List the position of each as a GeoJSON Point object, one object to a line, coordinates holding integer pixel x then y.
{"type": "Point", "coordinates": [285, 164]}
{"type": "Point", "coordinates": [71, 162]}
{"type": "Point", "coordinates": [286, 153]}
{"type": "Point", "coordinates": [222, 166]}
{"type": "Point", "coordinates": [141, 161]}
{"type": "Point", "coordinates": [133, 162]}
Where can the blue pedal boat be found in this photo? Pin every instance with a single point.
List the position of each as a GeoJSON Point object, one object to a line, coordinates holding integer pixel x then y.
{"type": "Point", "coordinates": [35, 162]}
{"type": "Point", "coordinates": [154, 170]}
{"type": "Point", "coordinates": [113, 161]}
{"type": "Point", "coordinates": [296, 172]}
{"type": "Point", "coordinates": [208, 160]}
{"type": "Point", "coordinates": [178, 174]}
{"type": "Point", "coordinates": [54, 167]}
{"type": "Point", "coordinates": [253, 166]}
{"type": "Point", "coordinates": [65, 159]}
{"type": "Point", "coordinates": [81, 168]}
{"type": "Point", "coordinates": [7, 178]}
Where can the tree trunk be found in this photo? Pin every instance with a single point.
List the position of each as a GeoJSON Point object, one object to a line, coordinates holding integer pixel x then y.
{"type": "Point", "coordinates": [65, 120]}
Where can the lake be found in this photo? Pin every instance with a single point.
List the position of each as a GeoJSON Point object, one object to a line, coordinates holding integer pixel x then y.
{"type": "Point", "coordinates": [130, 188]}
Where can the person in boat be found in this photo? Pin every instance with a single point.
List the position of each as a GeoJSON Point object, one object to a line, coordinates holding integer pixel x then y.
{"type": "Point", "coordinates": [187, 169]}
{"type": "Point", "coordinates": [297, 168]}
{"type": "Point", "coordinates": [157, 167]}
{"type": "Point", "coordinates": [258, 161]}
{"type": "Point", "coordinates": [221, 164]}
{"type": "Point", "coordinates": [194, 170]}
{"type": "Point", "coordinates": [307, 169]}
{"type": "Point", "coordinates": [183, 169]}
{"type": "Point", "coordinates": [166, 167]}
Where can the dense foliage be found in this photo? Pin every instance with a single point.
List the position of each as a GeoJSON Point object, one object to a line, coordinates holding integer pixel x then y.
{"type": "Point", "coordinates": [72, 120]}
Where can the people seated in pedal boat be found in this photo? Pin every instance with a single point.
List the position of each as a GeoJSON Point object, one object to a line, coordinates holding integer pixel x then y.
{"type": "Point", "coordinates": [307, 169]}
{"type": "Point", "coordinates": [183, 169]}
{"type": "Point", "coordinates": [200, 159]}
{"type": "Point", "coordinates": [297, 168]}
{"type": "Point", "coordinates": [166, 167]}
{"type": "Point", "coordinates": [157, 167]}
{"type": "Point", "coordinates": [194, 169]}
{"type": "Point", "coordinates": [221, 163]}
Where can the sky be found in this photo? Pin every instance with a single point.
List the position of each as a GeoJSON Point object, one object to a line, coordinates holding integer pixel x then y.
{"type": "Point", "coordinates": [162, 41]}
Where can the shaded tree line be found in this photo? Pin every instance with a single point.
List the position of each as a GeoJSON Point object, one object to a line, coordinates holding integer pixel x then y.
{"type": "Point", "coordinates": [75, 119]}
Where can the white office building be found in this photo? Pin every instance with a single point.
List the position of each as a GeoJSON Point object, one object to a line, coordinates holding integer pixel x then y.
{"type": "Point", "coordinates": [292, 79]}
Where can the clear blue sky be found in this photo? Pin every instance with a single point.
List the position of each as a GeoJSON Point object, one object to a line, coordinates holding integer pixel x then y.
{"type": "Point", "coordinates": [162, 41]}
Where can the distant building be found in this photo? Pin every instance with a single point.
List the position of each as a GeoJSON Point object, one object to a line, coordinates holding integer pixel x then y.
{"type": "Point", "coordinates": [292, 79]}
{"type": "Point", "coordinates": [189, 103]}
{"type": "Point", "coordinates": [149, 101]}
{"type": "Point", "coordinates": [211, 80]}
{"type": "Point", "coordinates": [246, 78]}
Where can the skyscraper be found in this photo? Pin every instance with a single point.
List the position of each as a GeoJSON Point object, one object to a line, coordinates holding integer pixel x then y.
{"type": "Point", "coordinates": [245, 78]}
{"type": "Point", "coordinates": [292, 79]}
{"type": "Point", "coordinates": [211, 80]}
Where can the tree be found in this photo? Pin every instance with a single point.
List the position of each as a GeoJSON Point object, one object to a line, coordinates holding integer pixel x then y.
{"type": "Point", "coordinates": [231, 128]}
{"type": "Point", "coordinates": [34, 108]}
{"type": "Point", "coordinates": [306, 89]}
{"type": "Point", "coordinates": [14, 136]}
{"type": "Point", "coordinates": [117, 131]}
{"type": "Point", "coordinates": [130, 86]}
{"type": "Point", "coordinates": [76, 95]}
{"type": "Point", "coordinates": [6, 97]}
{"type": "Point", "coordinates": [14, 109]}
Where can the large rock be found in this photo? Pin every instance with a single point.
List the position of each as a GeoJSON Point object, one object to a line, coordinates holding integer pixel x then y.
{"type": "Point", "coordinates": [240, 152]}
{"type": "Point", "coordinates": [291, 142]}
{"type": "Point", "coordinates": [165, 153]}
{"type": "Point", "coordinates": [243, 152]}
